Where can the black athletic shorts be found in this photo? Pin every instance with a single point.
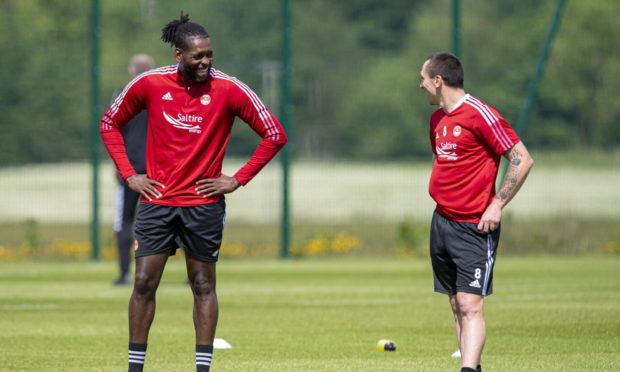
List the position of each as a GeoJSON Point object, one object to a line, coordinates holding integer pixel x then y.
{"type": "Point", "coordinates": [197, 230]}
{"type": "Point", "coordinates": [462, 256]}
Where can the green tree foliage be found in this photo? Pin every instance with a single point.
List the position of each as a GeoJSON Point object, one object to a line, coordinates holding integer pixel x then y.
{"type": "Point", "coordinates": [580, 94]}
{"type": "Point", "coordinates": [377, 24]}
{"type": "Point", "coordinates": [355, 69]}
{"type": "Point", "coordinates": [44, 71]}
{"type": "Point", "coordinates": [501, 46]}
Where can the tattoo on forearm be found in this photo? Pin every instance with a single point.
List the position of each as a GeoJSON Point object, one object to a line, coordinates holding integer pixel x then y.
{"type": "Point", "coordinates": [515, 157]}
{"type": "Point", "coordinates": [510, 183]}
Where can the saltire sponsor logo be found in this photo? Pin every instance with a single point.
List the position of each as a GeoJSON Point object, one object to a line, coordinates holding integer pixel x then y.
{"type": "Point", "coordinates": [446, 150]}
{"type": "Point", "coordinates": [180, 124]}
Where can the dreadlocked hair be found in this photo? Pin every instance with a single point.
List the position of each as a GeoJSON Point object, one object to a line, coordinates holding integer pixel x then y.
{"type": "Point", "coordinates": [177, 30]}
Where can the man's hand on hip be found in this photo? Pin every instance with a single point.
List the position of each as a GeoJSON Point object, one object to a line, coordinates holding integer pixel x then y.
{"type": "Point", "coordinates": [491, 217]}
{"type": "Point", "coordinates": [217, 186]}
{"type": "Point", "coordinates": [144, 186]}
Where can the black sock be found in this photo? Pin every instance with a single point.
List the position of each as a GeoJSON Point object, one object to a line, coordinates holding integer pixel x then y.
{"type": "Point", "coordinates": [137, 354]}
{"type": "Point", "coordinates": [467, 369]}
{"type": "Point", "coordinates": [479, 368]}
{"type": "Point", "coordinates": [204, 353]}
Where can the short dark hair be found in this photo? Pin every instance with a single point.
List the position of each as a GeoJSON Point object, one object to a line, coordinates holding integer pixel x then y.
{"type": "Point", "coordinates": [177, 30]}
{"type": "Point", "coordinates": [448, 66]}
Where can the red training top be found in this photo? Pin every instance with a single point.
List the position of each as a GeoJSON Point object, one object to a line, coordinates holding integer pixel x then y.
{"type": "Point", "coordinates": [468, 143]}
{"type": "Point", "coordinates": [189, 127]}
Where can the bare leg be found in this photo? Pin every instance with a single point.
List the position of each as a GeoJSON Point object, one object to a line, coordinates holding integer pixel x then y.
{"type": "Point", "coordinates": [149, 270]}
{"type": "Point", "coordinates": [457, 319]}
{"type": "Point", "coordinates": [201, 277]}
{"type": "Point", "coordinates": [473, 332]}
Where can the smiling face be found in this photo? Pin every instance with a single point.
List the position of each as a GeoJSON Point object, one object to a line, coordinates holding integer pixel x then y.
{"type": "Point", "coordinates": [430, 84]}
{"type": "Point", "coordinates": [196, 58]}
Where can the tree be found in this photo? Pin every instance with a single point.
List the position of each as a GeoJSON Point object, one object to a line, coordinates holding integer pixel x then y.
{"type": "Point", "coordinates": [355, 69]}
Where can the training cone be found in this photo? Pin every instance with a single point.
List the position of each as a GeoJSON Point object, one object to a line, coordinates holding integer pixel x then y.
{"type": "Point", "coordinates": [220, 343]}
{"type": "Point", "coordinates": [386, 345]}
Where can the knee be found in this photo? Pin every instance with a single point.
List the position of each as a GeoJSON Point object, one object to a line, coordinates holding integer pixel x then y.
{"type": "Point", "coordinates": [469, 305]}
{"type": "Point", "coordinates": [202, 286]}
{"type": "Point", "coordinates": [144, 285]}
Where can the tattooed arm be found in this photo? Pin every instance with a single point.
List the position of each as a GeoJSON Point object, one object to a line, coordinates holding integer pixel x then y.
{"type": "Point", "coordinates": [520, 163]}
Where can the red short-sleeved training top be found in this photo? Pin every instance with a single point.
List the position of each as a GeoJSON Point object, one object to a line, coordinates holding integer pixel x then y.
{"type": "Point", "coordinates": [468, 143]}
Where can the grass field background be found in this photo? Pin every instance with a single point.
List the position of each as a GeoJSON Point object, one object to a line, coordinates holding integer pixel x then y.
{"type": "Point", "coordinates": [547, 314]}
{"type": "Point", "coordinates": [58, 311]}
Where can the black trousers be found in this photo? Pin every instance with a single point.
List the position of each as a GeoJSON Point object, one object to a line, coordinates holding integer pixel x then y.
{"type": "Point", "coordinates": [126, 203]}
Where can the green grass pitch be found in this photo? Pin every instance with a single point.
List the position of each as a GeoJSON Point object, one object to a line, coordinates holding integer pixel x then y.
{"type": "Point", "coordinates": [548, 314]}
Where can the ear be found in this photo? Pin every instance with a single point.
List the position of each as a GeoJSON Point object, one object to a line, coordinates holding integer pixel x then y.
{"type": "Point", "coordinates": [437, 81]}
{"type": "Point", "coordinates": [177, 54]}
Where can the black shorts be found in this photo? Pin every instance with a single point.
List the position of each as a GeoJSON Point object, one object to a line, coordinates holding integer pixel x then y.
{"type": "Point", "coordinates": [462, 256]}
{"type": "Point", "coordinates": [197, 230]}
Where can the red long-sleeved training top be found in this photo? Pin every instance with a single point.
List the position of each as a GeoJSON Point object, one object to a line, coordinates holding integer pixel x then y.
{"type": "Point", "coordinates": [189, 127]}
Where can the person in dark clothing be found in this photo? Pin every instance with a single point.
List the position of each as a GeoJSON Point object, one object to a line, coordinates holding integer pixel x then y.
{"type": "Point", "coordinates": [134, 135]}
